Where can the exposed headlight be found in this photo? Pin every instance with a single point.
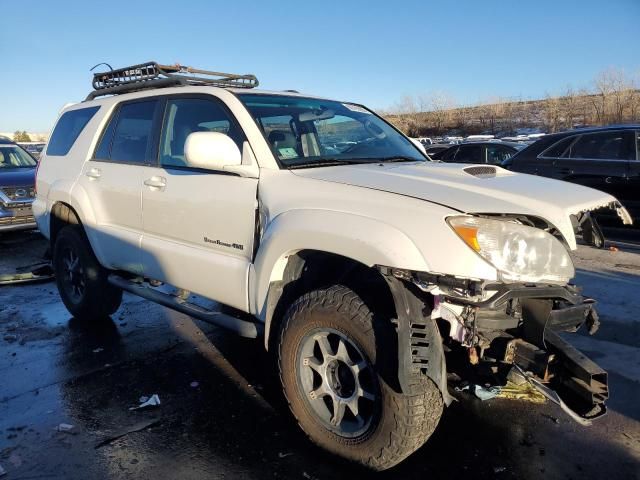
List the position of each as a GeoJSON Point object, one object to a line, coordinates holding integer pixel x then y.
{"type": "Point", "coordinates": [520, 253]}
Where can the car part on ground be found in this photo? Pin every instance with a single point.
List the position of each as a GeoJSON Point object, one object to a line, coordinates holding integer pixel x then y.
{"type": "Point", "coordinates": [40, 273]}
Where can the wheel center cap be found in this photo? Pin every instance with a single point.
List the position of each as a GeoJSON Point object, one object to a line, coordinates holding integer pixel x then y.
{"type": "Point", "coordinates": [341, 378]}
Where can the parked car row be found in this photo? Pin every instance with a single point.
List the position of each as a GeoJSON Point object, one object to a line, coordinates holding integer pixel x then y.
{"type": "Point", "coordinates": [490, 152]}
{"type": "Point", "coordinates": [605, 158]}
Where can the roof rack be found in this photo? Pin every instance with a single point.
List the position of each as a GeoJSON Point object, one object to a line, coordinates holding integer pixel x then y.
{"type": "Point", "coordinates": [153, 75]}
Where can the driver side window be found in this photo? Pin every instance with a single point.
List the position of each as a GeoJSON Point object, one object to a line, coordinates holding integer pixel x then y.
{"type": "Point", "coordinates": [184, 116]}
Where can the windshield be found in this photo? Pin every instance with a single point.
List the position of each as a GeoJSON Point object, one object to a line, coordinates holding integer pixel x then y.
{"type": "Point", "coordinates": [307, 132]}
{"type": "Point", "coordinates": [12, 156]}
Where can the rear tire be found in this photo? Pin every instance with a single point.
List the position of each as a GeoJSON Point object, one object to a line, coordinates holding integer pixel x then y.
{"type": "Point", "coordinates": [81, 280]}
{"type": "Point", "coordinates": [328, 357]}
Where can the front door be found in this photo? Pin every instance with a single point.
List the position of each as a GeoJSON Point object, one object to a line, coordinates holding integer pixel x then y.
{"type": "Point", "coordinates": [199, 225]}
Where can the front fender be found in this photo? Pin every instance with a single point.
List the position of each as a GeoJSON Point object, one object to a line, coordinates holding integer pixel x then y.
{"type": "Point", "coordinates": [363, 239]}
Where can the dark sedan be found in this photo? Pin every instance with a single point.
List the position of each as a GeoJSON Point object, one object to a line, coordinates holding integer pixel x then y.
{"type": "Point", "coordinates": [17, 187]}
{"type": "Point", "coordinates": [493, 153]}
{"type": "Point", "coordinates": [605, 158]}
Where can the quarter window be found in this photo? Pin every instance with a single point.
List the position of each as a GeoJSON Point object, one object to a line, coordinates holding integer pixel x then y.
{"type": "Point", "coordinates": [558, 149]}
{"type": "Point", "coordinates": [68, 129]}
{"type": "Point", "coordinates": [449, 154]}
{"type": "Point", "coordinates": [187, 115]}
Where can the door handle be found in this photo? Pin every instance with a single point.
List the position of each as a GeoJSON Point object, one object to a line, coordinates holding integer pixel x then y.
{"type": "Point", "coordinates": [156, 182]}
{"type": "Point", "coordinates": [93, 173]}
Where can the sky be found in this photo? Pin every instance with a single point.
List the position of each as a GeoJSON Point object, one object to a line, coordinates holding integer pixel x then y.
{"type": "Point", "coordinates": [371, 52]}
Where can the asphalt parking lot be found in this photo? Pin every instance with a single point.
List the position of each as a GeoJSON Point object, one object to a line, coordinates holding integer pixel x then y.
{"type": "Point", "coordinates": [222, 414]}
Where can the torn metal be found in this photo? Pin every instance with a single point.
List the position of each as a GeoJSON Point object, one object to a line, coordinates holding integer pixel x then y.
{"type": "Point", "coordinates": [513, 326]}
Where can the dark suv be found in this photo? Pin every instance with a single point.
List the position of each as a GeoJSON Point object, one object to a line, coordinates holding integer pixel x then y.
{"type": "Point", "coordinates": [493, 153]}
{"type": "Point", "coordinates": [606, 158]}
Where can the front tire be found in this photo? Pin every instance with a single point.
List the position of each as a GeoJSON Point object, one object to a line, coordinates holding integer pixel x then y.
{"type": "Point", "coordinates": [331, 354]}
{"type": "Point", "coordinates": [81, 280]}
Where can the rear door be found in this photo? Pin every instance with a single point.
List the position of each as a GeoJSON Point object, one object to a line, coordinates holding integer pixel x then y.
{"type": "Point", "coordinates": [599, 160]}
{"type": "Point", "coordinates": [199, 225]}
{"type": "Point", "coordinates": [112, 180]}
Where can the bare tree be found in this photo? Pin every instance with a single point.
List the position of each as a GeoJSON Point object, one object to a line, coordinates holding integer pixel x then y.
{"type": "Point", "coordinates": [440, 106]}
{"type": "Point", "coordinates": [568, 107]}
{"type": "Point", "coordinates": [551, 108]}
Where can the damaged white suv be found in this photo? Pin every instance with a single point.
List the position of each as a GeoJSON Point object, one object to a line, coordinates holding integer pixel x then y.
{"type": "Point", "coordinates": [330, 234]}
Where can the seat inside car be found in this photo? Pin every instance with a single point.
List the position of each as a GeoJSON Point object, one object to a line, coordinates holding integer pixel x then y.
{"type": "Point", "coordinates": [280, 139]}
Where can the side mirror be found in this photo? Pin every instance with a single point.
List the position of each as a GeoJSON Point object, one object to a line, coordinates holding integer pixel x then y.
{"type": "Point", "coordinates": [212, 151]}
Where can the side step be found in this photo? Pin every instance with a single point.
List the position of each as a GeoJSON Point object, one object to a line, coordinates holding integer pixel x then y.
{"type": "Point", "coordinates": [241, 327]}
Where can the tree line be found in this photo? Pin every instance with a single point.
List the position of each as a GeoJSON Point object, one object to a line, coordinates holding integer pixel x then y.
{"type": "Point", "coordinates": [613, 97]}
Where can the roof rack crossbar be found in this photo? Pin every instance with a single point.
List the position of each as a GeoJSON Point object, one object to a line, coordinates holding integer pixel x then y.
{"type": "Point", "coordinates": [154, 75]}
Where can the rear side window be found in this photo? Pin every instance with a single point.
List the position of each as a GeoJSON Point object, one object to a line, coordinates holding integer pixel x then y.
{"type": "Point", "coordinates": [603, 146]}
{"type": "Point", "coordinates": [68, 129]}
{"type": "Point", "coordinates": [129, 136]}
{"type": "Point", "coordinates": [469, 154]}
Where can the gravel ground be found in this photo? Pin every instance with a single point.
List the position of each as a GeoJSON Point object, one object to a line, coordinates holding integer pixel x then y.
{"type": "Point", "coordinates": [222, 413]}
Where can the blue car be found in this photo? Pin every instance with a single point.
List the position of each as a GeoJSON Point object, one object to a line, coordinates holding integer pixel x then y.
{"type": "Point", "coordinates": [17, 187]}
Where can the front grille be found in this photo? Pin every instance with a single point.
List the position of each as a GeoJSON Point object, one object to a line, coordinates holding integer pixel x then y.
{"type": "Point", "coordinates": [17, 220]}
{"type": "Point", "coordinates": [17, 194]}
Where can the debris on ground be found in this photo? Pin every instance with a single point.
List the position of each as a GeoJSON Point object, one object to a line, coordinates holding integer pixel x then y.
{"type": "Point", "coordinates": [499, 469]}
{"type": "Point", "coordinates": [153, 401]}
{"type": "Point", "coordinates": [194, 384]}
{"type": "Point", "coordinates": [524, 391]}
{"type": "Point", "coordinates": [64, 427]}
{"type": "Point", "coordinates": [98, 350]}
{"type": "Point", "coordinates": [284, 455]}
{"type": "Point", "coordinates": [483, 393]}
{"type": "Point", "coordinates": [613, 248]}
{"type": "Point", "coordinates": [136, 428]}
{"type": "Point", "coordinates": [552, 418]}
{"type": "Point", "coordinates": [43, 272]}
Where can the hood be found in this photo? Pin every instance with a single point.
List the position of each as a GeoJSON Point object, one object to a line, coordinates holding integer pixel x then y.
{"type": "Point", "coordinates": [480, 189]}
{"type": "Point", "coordinates": [17, 177]}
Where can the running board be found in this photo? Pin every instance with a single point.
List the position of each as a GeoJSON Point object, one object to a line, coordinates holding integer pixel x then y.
{"type": "Point", "coordinates": [241, 327]}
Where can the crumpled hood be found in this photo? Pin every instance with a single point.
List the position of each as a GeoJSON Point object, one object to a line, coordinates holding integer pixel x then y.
{"type": "Point", "coordinates": [478, 189]}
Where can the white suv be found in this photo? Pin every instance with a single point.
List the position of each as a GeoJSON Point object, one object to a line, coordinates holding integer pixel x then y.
{"type": "Point", "coordinates": [331, 235]}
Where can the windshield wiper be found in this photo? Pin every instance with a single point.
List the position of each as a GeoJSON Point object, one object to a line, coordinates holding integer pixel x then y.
{"type": "Point", "coordinates": [396, 159]}
{"type": "Point", "coordinates": [328, 162]}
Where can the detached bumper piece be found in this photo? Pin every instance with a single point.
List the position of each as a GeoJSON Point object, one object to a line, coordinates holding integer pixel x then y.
{"type": "Point", "coordinates": [552, 365]}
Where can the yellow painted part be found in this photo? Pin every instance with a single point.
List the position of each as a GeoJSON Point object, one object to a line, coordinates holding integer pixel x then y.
{"type": "Point", "coordinates": [524, 392]}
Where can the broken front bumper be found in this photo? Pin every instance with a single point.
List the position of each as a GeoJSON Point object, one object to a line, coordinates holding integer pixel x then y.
{"type": "Point", "coordinates": [515, 325]}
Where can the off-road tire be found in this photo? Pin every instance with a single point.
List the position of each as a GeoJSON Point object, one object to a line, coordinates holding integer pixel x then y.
{"type": "Point", "coordinates": [99, 298]}
{"type": "Point", "coordinates": [404, 421]}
